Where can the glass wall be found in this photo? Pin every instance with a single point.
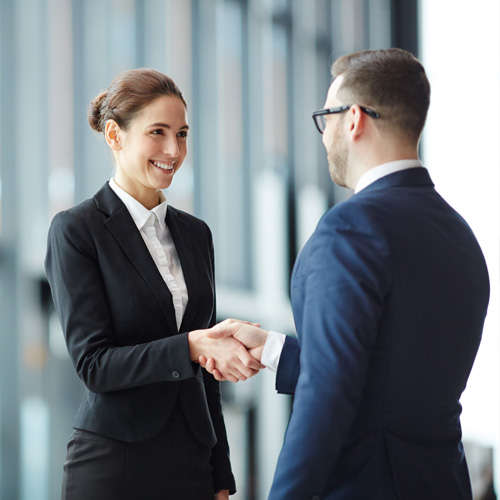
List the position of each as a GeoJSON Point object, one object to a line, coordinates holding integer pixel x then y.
{"type": "Point", "coordinates": [464, 160]}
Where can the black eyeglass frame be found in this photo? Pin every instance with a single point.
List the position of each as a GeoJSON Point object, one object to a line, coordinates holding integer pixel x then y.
{"type": "Point", "coordinates": [340, 109]}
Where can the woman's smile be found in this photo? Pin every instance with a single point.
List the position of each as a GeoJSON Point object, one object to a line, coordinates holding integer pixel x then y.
{"type": "Point", "coordinates": [166, 167]}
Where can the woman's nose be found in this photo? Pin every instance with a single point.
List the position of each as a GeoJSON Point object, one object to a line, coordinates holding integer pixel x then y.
{"type": "Point", "coordinates": [170, 146]}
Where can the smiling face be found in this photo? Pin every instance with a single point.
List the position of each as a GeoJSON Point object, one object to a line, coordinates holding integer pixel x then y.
{"type": "Point", "coordinates": [151, 150]}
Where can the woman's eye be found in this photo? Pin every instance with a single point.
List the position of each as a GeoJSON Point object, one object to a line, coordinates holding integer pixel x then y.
{"type": "Point", "coordinates": [158, 131]}
{"type": "Point", "coordinates": [182, 134]}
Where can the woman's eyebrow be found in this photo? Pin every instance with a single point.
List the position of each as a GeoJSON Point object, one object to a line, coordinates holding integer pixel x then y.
{"type": "Point", "coordinates": [165, 125]}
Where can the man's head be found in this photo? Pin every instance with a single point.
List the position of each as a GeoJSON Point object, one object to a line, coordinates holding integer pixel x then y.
{"type": "Point", "coordinates": [392, 82]}
{"type": "Point", "coordinates": [375, 111]}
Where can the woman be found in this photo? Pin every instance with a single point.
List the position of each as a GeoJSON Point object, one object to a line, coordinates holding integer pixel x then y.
{"type": "Point", "coordinates": [133, 285]}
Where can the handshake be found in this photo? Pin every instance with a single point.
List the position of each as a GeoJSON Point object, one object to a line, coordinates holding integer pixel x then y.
{"type": "Point", "coordinates": [230, 350]}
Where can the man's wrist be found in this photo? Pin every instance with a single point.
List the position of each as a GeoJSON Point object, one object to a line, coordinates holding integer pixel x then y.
{"type": "Point", "coordinates": [272, 350]}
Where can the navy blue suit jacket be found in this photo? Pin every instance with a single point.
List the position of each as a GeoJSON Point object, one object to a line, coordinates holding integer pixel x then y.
{"type": "Point", "coordinates": [119, 323]}
{"type": "Point", "coordinates": [389, 297]}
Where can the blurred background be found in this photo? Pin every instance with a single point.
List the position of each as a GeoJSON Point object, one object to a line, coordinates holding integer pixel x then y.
{"type": "Point", "coordinates": [252, 72]}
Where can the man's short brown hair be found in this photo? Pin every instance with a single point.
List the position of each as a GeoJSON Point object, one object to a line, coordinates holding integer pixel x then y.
{"type": "Point", "coordinates": [392, 82]}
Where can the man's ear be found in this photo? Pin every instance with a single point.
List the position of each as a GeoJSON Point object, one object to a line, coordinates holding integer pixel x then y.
{"type": "Point", "coordinates": [112, 135]}
{"type": "Point", "coordinates": [356, 122]}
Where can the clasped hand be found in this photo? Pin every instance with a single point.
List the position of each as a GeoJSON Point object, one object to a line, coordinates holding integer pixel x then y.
{"type": "Point", "coordinates": [230, 350]}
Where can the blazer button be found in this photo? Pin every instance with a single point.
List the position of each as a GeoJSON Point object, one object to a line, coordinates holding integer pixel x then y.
{"type": "Point", "coordinates": [176, 374]}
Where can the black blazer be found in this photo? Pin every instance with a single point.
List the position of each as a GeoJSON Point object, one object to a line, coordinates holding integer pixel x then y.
{"type": "Point", "coordinates": [119, 323]}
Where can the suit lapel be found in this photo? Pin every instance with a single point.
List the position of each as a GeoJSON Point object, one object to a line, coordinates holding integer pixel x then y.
{"type": "Point", "coordinates": [184, 245]}
{"type": "Point", "coordinates": [121, 225]}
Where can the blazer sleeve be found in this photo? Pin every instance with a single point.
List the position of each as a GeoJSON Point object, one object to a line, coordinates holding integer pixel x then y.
{"type": "Point", "coordinates": [343, 283]}
{"type": "Point", "coordinates": [223, 478]}
{"type": "Point", "coordinates": [288, 366]}
{"type": "Point", "coordinates": [81, 301]}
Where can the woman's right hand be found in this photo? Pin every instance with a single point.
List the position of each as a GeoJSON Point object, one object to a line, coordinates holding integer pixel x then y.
{"type": "Point", "coordinates": [249, 334]}
{"type": "Point", "coordinates": [220, 344]}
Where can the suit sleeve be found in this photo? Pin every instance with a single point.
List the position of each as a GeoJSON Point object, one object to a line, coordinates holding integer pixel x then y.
{"type": "Point", "coordinates": [345, 277]}
{"type": "Point", "coordinates": [223, 478]}
{"type": "Point", "coordinates": [72, 267]}
{"type": "Point", "coordinates": [288, 367]}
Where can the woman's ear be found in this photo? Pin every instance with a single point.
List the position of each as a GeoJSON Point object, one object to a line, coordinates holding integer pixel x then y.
{"type": "Point", "coordinates": [112, 134]}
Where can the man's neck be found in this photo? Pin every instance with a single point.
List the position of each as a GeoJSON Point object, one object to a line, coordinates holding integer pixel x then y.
{"type": "Point", "coordinates": [373, 157]}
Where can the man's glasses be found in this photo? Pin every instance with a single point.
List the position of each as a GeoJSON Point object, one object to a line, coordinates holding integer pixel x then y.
{"type": "Point", "coordinates": [319, 116]}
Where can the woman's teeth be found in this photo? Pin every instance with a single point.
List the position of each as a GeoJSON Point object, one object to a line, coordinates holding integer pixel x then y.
{"type": "Point", "coordinates": [164, 166]}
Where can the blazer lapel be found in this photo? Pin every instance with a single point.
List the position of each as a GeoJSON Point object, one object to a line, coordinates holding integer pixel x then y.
{"type": "Point", "coordinates": [184, 245]}
{"type": "Point", "coordinates": [122, 227]}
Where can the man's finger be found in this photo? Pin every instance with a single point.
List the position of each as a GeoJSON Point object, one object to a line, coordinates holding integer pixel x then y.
{"type": "Point", "coordinates": [220, 331]}
{"type": "Point", "coordinates": [248, 361]}
{"type": "Point", "coordinates": [246, 371]}
{"type": "Point", "coordinates": [244, 322]}
{"type": "Point", "coordinates": [254, 364]}
{"type": "Point", "coordinates": [235, 367]}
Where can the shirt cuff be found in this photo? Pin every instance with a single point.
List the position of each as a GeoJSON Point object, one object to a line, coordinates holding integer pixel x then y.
{"type": "Point", "coordinates": [272, 350]}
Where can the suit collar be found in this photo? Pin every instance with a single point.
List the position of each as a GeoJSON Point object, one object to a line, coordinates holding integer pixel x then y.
{"type": "Point", "coordinates": [107, 201]}
{"type": "Point", "coordinates": [418, 176]}
{"type": "Point", "coordinates": [375, 173]}
{"type": "Point", "coordinates": [139, 212]}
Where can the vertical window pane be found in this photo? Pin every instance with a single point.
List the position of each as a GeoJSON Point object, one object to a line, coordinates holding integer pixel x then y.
{"type": "Point", "coordinates": [231, 200]}
{"type": "Point", "coordinates": [60, 106]}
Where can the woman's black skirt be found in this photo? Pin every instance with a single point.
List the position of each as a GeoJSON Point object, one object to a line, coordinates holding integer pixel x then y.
{"type": "Point", "coordinates": [172, 466]}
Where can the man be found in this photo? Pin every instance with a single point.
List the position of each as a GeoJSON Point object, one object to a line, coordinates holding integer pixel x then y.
{"type": "Point", "coordinates": [389, 297]}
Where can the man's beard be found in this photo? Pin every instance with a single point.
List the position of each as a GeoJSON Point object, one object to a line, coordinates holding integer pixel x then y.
{"type": "Point", "coordinates": [338, 159]}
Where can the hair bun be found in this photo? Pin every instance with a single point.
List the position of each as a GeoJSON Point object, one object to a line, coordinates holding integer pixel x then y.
{"type": "Point", "coordinates": [127, 95]}
{"type": "Point", "coordinates": [95, 112]}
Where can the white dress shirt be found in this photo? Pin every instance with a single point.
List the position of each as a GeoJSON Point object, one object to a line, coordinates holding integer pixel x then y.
{"type": "Point", "coordinates": [156, 234]}
{"type": "Point", "coordinates": [376, 173]}
{"type": "Point", "coordinates": [275, 341]}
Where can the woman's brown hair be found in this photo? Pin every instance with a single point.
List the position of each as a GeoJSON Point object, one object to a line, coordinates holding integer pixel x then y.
{"type": "Point", "coordinates": [127, 94]}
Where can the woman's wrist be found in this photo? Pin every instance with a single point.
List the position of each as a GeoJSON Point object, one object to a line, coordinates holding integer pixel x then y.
{"type": "Point", "coordinates": [194, 338]}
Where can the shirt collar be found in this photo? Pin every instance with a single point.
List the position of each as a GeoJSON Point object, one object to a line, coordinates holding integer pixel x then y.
{"type": "Point", "coordinates": [376, 173]}
{"type": "Point", "coordinates": [139, 213]}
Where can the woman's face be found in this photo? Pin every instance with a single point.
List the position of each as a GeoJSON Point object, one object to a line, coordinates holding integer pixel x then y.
{"type": "Point", "coordinates": [149, 153]}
